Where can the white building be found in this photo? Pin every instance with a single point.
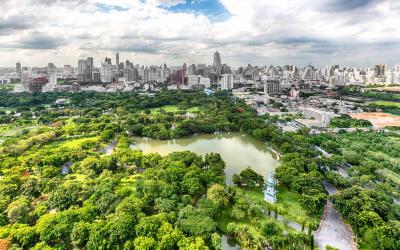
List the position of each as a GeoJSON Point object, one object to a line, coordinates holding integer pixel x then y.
{"type": "Point", "coordinates": [106, 72]}
{"type": "Point", "coordinates": [317, 114]}
{"type": "Point", "coordinates": [226, 82]}
{"type": "Point", "coordinates": [53, 79]}
{"type": "Point", "coordinates": [198, 80]}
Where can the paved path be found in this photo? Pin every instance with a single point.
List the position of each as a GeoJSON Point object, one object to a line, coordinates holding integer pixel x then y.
{"type": "Point", "coordinates": [109, 149]}
{"type": "Point", "coordinates": [332, 230]}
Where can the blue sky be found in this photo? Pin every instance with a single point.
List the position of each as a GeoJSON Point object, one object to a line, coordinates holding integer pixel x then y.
{"type": "Point", "coordinates": [213, 9]}
{"type": "Point", "coordinates": [106, 8]}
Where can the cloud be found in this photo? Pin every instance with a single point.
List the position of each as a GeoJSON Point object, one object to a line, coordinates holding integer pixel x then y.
{"type": "Point", "coordinates": [177, 31]}
{"type": "Point", "coordinates": [39, 41]}
{"type": "Point", "coordinates": [168, 3]}
{"type": "Point", "coordinates": [15, 23]}
{"type": "Point", "coordinates": [345, 5]}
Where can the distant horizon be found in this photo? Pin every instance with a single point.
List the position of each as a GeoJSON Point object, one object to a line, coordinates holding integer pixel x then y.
{"type": "Point", "coordinates": [357, 33]}
{"type": "Point", "coordinates": [75, 65]}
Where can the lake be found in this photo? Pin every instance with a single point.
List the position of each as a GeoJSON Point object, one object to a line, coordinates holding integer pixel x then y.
{"type": "Point", "coordinates": [237, 150]}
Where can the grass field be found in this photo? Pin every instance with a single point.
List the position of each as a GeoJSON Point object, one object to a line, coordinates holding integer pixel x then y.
{"type": "Point", "coordinates": [172, 108]}
{"type": "Point", "coordinates": [385, 103]}
{"type": "Point", "coordinates": [288, 203]}
{"type": "Point", "coordinates": [77, 143]}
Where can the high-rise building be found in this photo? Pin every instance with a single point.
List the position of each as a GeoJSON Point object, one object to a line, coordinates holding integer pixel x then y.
{"type": "Point", "coordinates": [96, 76]}
{"type": "Point", "coordinates": [227, 82]}
{"type": "Point", "coordinates": [272, 87]}
{"type": "Point", "coordinates": [217, 65]}
{"type": "Point", "coordinates": [81, 70]}
{"type": "Point", "coordinates": [18, 67]}
{"type": "Point", "coordinates": [89, 69]}
{"type": "Point", "coordinates": [380, 70]}
{"type": "Point", "coordinates": [192, 70]}
{"type": "Point", "coordinates": [51, 68]}
{"type": "Point", "coordinates": [117, 61]}
{"type": "Point", "coordinates": [108, 71]}
{"type": "Point", "coordinates": [26, 80]}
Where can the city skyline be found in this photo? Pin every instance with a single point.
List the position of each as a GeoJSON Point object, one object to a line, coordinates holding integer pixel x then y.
{"type": "Point", "coordinates": [359, 33]}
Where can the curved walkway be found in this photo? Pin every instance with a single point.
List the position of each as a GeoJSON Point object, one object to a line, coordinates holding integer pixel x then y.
{"type": "Point", "coordinates": [332, 230]}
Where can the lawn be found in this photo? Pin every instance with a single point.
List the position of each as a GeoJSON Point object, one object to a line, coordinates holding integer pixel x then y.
{"type": "Point", "coordinates": [386, 103]}
{"type": "Point", "coordinates": [77, 143]}
{"type": "Point", "coordinates": [173, 109]}
{"type": "Point", "coordinates": [288, 202]}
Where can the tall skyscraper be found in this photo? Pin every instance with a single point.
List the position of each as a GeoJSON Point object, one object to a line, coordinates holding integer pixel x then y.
{"type": "Point", "coordinates": [89, 69]}
{"type": "Point", "coordinates": [117, 61]}
{"type": "Point", "coordinates": [81, 70]}
{"type": "Point", "coordinates": [217, 63]}
{"type": "Point", "coordinates": [18, 67]}
{"type": "Point", "coordinates": [51, 68]}
{"type": "Point", "coordinates": [380, 69]}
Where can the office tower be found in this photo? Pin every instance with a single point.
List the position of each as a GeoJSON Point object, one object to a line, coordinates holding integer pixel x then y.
{"type": "Point", "coordinates": [26, 80]}
{"type": "Point", "coordinates": [107, 60]}
{"type": "Point", "coordinates": [96, 76]}
{"type": "Point", "coordinates": [117, 61]}
{"type": "Point", "coordinates": [107, 70]}
{"type": "Point", "coordinates": [380, 70]}
{"type": "Point", "coordinates": [397, 68]}
{"type": "Point", "coordinates": [18, 68]}
{"type": "Point", "coordinates": [272, 87]}
{"type": "Point", "coordinates": [217, 63]}
{"type": "Point", "coordinates": [81, 70]}
{"type": "Point", "coordinates": [192, 70]}
{"type": "Point", "coordinates": [227, 82]}
{"type": "Point", "coordinates": [89, 69]}
{"type": "Point", "coordinates": [51, 68]}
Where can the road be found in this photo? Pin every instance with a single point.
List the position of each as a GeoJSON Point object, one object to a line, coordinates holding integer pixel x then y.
{"type": "Point", "coordinates": [332, 230]}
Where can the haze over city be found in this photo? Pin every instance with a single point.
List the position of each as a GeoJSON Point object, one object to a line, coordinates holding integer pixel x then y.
{"type": "Point", "coordinates": [356, 33]}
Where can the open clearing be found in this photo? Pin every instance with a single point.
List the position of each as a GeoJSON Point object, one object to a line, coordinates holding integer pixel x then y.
{"type": "Point", "coordinates": [385, 103]}
{"type": "Point", "coordinates": [379, 119]}
{"type": "Point", "coordinates": [172, 108]}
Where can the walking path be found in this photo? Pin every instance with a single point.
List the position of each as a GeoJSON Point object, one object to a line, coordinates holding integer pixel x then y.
{"type": "Point", "coordinates": [332, 230]}
{"type": "Point", "coordinates": [109, 149]}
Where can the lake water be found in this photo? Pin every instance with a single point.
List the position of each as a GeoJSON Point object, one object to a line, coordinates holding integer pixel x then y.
{"type": "Point", "coordinates": [237, 150]}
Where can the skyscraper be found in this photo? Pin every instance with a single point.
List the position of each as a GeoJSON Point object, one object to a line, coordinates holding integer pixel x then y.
{"type": "Point", "coordinates": [380, 70]}
{"type": "Point", "coordinates": [217, 63]}
{"type": "Point", "coordinates": [51, 68]}
{"type": "Point", "coordinates": [89, 69]}
{"type": "Point", "coordinates": [81, 70]}
{"type": "Point", "coordinates": [117, 61]}
{"type": "Point", "coordinates": [18, 67]}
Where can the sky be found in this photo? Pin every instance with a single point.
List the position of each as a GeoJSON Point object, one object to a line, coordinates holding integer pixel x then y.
{"type": "Point", "coordinates": [259, 32]}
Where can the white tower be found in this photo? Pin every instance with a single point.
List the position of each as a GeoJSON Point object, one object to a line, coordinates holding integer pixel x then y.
{"type": "Point", "coordinates": [270, 192]}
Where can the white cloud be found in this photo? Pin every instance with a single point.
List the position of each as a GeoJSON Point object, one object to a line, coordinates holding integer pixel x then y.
{"type": "Point", "coordinates": [258, 32]}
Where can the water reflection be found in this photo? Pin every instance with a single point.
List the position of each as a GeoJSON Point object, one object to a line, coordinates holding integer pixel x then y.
{"type": "Point", "coordinates": [238, 151]}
